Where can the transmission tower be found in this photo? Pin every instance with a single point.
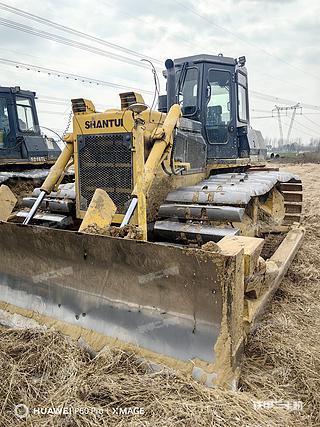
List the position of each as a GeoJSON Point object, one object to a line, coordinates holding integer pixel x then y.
{"type": "Point", "coordinates": [278, 110]}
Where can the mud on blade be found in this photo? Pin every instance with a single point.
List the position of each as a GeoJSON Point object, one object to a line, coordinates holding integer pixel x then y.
{"type": "Point", "coordinates": [170, 304]}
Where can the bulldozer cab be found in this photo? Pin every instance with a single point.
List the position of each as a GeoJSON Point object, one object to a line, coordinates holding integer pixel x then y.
{"type": "Point", "coordinates": [20, 136]}
{"type": "Point", "coordinates": [213, 90]}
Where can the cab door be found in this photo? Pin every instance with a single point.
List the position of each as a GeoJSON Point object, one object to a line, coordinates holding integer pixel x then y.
{"type": "Point", "coordinates": [219, 111]}
{"type": "Point", "coordinates": [8, 143]}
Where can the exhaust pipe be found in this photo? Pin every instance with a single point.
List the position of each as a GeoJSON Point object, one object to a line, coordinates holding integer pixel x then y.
{"type": "Point", "coordinates": [171, 84]}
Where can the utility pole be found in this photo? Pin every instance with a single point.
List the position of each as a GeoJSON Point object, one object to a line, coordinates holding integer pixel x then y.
{"type": "Point", "coordinates": [278, 109]}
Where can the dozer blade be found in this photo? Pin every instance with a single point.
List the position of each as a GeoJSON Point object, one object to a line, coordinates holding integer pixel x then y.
{"type": "Point", "coordinates": [183, 307]}
{"type": "Point", "coordinates": [180, 307]}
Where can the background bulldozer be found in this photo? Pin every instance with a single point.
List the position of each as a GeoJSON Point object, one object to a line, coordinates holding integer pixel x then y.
{"type": "Point", "coordinates": [175, 235]}
{"type": "Point", "coordinates": [25, 153]}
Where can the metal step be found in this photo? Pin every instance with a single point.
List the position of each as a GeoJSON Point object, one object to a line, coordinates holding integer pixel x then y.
{"type": "Point", "coordinates": [292, 196]}
{"type": "Point", "coordinates": [180, 231]}
{"type": "Point", "coordinates": [290, 186]}
{"type": "Point", "coordinates": [293, 208]}
{"type": "Point", "coordinates": [201, 212]}
{"type": "Point", "coordinates": [291, 218]}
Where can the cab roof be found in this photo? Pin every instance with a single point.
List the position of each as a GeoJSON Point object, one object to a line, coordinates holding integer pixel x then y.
{"type": "Point", "coordinates": [217, 59]}
{"type": "Point", "coordinates": [16, 90]}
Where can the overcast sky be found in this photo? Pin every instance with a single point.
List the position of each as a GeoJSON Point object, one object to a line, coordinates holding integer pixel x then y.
{"type": "Point", "coordinates": [280, 39]}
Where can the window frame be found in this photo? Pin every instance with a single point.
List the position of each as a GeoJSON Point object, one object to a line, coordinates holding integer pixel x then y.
{"type": "Point", "coordinates": [6, 106]}
{"type": "Point", "coordinates": [230, 90]}
{"type": "Point", "coordinates": [30, 106]}
{"type": "Point", "coordinates": [246, 97]}
{"type": "Point", "coordinates": [231, 95]}
{"type": "Point", "coordinates": [193, 67]}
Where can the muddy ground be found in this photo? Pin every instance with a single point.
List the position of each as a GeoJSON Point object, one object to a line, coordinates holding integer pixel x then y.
{"type": "Point", "coordinates": [280, 382]}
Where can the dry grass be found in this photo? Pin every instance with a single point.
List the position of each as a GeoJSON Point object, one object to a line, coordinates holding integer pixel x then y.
{"type": "Point", "coordinates": [283, 354]}
{"type": "Point", "coordinates": [282, 359]}
{"type": "Point", "coordinates": [44, 369]}
{"type": "Point", "coordinates": [282, 362]}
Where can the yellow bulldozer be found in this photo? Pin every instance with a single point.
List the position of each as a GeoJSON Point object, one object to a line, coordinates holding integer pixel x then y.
{"type": "Point", "coordinates": [175, 234]}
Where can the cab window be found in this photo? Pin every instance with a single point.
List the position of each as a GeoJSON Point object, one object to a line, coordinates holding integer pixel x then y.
{"type": "Point", "coordinates": [188, 91]}
{"type": "Point", "coordinates": [4, 121]}
{"type": "Point", "coordinates": [218, 108]}
{"type": "Point", "coordinates": [242, 98]}
{"type": "Point", "coordinates": [25, 115]}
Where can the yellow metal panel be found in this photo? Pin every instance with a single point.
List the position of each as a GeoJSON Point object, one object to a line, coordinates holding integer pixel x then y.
{"type": "Point", "coordinates": [157, 152]}
{"type": "Point", "coordinates": [7, 202]}
{"type": "Point", "coordinates": [112, 121]}
{"type": "Point", "coordinates": [100, 211]}
{"type": "Point", "coordinates": [252, 247]}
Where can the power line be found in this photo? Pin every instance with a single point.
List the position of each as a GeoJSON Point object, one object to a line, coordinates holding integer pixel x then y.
{"type": "Point", "coordinates": [67, 103]}
{"type": "Point", "coordinates": [235, 35]}
{"type": "Point", "coordinates": [85, 79]}
{"type": "Point", "coordinates": [143, 21]}
{"type": "Point", "coordinates": [278, 100]}
{"type": "Point", "coordinates": [311, 121]}
{"type": "Point", "coordinates": [69, 42]}
{"type": "Point", "coordinates": [48, 99]}
{"type": "Point", "coordinates": [299, 130]}
{"type": "Point", "coordinates": [98, 51]}
{"type": "Point", "coordinates": [55, 98]}
{"type": "Point", "coordinates": [69, 30]}
{"type": "Point", "coordinates": [49, 102]}
{"type": "Point", "coordinates": [307, 127]}
{"type": "Point", "coordinates": [50, 36]}
{"type": "Point", "coordinates": [74, 43]}
{"type": "Point", "coordinates": [288, 126]}
{"type": "Point", "coordinates": [267, 117]}
{"type": "Point", "coordinates": [69, 76]}
{"type": "Point", "coordinates": [259, 111]}
{"type": "Point", "coordinates": [177, 37]}
{"type": "Point", "coordinates": [56, 113]}
{"type": "Point", "coordinates": [311, 114]}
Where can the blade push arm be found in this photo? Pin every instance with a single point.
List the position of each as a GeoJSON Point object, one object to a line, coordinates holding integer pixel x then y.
{"type": "Point", "coordinates": [162, 140]}
{"type": "Point", "coordinates": [54, 175]}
